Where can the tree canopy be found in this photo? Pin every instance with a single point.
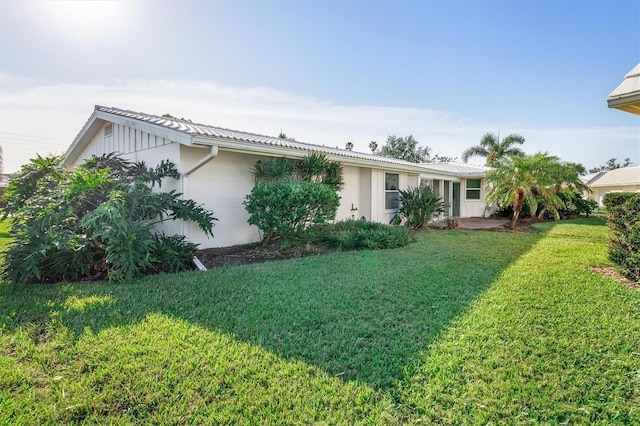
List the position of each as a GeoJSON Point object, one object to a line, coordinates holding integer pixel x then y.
{"type": "Point", "coordinates": [611, 164]}
{"type": "Point", "coordinates": [493, 149]}
{"type": "Point", "coordinates": [405, 148]}
{"type": "Point", "coordinates": [535, 180]}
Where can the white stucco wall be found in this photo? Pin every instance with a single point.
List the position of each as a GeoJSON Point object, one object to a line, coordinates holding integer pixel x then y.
{"type": "Point", "coordinates": [221, 186]}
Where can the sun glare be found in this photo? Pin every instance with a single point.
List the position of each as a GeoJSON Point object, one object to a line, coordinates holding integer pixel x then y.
{"type": "Point", "coordinates": [85, 19]}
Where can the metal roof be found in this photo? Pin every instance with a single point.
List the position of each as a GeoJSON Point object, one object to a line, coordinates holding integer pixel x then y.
{"type": "Point", "coordinates": [183, 128]}
{"type": "Point", "coordinates": [458, 168]}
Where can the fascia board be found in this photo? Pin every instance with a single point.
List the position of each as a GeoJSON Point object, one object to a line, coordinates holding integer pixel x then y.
{"type": "Point", "coordinates": [79, 143]}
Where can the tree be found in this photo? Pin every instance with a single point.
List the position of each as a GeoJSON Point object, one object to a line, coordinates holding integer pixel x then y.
{"type": "Point", "coordinates": [373, 146]}
{"type": "Point", "coordinates": [611, 164]}
{"type": "Point", "coordinates": [406, 148]}
{"type": "Point", "coordinates": [532, 179]}
{"type": "Point", "coordinates": [348, 146]}
{"type": "Point", "coordinates": [578, 168]}
{"type": "Point", "coordinates": [493, 149]}
{"type": "Point", "coordinates": [284, 136]}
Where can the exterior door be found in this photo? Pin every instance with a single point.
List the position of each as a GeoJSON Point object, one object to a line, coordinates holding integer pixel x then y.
{"type": "Point", "coordinates": [456, 199]}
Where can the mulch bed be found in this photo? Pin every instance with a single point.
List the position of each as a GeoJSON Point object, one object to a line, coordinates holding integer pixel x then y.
{"type": "Point", "coordinates": [255, 253]}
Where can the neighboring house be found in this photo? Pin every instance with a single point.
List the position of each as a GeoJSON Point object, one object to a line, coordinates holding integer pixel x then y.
{"type": "Point", "coordinates": [626, 179]}
{"type": "Point", "coordinates": [626, 96]}
{"type": "Point", "coordinates": [215, 166]}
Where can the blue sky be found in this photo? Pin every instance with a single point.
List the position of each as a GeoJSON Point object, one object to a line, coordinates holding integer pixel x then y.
{"type": "Point", "coordinates": [327, 72]}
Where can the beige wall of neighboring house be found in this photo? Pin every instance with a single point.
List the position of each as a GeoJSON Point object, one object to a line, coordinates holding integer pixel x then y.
{"type": "Point", "coordinates": [626, 179]}
{"type": "Point", "coordinates": [215, 166]}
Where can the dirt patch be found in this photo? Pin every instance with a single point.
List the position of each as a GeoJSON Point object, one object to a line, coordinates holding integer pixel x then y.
{"type": "Point", "coordinates": [611, 273]}
{"type": "Point", "coordinates": [255, 253]}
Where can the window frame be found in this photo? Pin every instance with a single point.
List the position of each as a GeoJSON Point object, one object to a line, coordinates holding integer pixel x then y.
{"type": "Point", "coordinates": [389, 191]}
{"type": "Point", "coordinates": [474, 190]}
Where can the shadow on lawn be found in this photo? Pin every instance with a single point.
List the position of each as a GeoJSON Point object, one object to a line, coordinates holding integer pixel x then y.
{"type": "Point", "coordinates": [361, 316]}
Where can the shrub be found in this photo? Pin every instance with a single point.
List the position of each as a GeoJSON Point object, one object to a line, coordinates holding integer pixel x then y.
{"type": "Point", "coordinates": [287, 207]}
{"type": "Point", "coordinates": [418, 205]}
{"type": "Point", "coordinates": [289, 195]}
{"type": "Point", "coordinates": [623, 217]}
{"type": "Point", "coordinates": [97, 221]}
{"type": "Point", "coordinates": [359, 234]}
{"type": "Point", "coordinates": [573, 204]}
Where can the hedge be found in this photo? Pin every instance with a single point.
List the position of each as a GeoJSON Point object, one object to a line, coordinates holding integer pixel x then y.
{"type": "Point", "coordinates": [623, 211]}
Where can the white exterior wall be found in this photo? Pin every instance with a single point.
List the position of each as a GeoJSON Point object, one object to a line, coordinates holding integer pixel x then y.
{"type": "Point", "coordinates": [599, 192]}
{"type": "Point", "coordinates": [350, 194]}
{"type": "Point", "coordinates": [376, 189]}
{"type": "Point", "coordinates": [472, 208]}
{"type": "Point", "coordinates": [220, 185]}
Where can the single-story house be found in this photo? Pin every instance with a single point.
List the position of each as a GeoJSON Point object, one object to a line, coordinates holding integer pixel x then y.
{"type": "Point", "coordinates": [215, 167]}
{"type": "Point", "coordinates": [626, 96]}
{"type": "Point", "coordinates": [625, 179]}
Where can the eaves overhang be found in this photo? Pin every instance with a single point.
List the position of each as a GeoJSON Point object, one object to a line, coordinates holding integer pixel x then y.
{"type": "Point", "coordinates": [626, 96]}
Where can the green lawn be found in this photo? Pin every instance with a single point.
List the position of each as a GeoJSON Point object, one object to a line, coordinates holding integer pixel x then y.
{"type": "Point", "coordinates": [460, 327]}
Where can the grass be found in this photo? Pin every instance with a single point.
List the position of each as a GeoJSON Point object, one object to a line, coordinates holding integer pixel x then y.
{"type": "Point", "coordinates": [460, 327]}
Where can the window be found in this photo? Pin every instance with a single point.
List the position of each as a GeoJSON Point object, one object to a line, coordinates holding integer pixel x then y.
{"type": "Point", "coordinates": [426, 182]}
{"type": "Point", "coordinates": [391, 193]}
{"type": "Point", "coordinates": [473, 189]}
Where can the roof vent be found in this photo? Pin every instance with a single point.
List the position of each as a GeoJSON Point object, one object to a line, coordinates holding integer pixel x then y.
{"type": "Point", "coordinates": [108, 130]}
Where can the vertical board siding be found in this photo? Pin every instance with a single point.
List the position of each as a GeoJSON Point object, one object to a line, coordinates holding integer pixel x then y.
{"type": "Point", "coordinates": [123, 141]}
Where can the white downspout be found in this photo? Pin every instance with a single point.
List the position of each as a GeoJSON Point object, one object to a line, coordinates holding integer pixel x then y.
{"type": "Point", "coordinates": [185, 188]}
{"type": "Point", "coordinates": [213, 154]}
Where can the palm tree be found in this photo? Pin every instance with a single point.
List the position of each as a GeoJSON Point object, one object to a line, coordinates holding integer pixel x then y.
{"type": "Point", "coordinates": [348, 146]}
{"type": "Point", "coordinates": [493, 149]}
{"type": "Point", "coordinates": [373, 146]}
{"type": "Point", "coordinates": [531, 179]}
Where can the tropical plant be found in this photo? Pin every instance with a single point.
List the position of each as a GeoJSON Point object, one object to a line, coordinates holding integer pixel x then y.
{"type": "Point", "coordinates": [418, 205]}
{"type": "Point", "coordinates": [348, 146]}
{"type": "Point", "coordinates": [360, 234]}
{"type": "Point", "coordinates": [530, 179]}
{"type": "Point", "coordinates": [493, 149]}
{"type": "Point", "coordinates": [98, 220]}
{"type": "Point", "coordinates": [565, 182]}
{"type": "Point", "coordinates": [406, 148]}
{"type": "Point", "coordinates": [373, 146]}
{"type": "Point", "coordinates": [314, 168]}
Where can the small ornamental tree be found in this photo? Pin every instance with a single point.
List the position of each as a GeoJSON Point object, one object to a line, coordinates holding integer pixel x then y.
{"type": "Point", "coordinates": [97, 221]}
{"type": "Point", "coordinates": [290, 195]}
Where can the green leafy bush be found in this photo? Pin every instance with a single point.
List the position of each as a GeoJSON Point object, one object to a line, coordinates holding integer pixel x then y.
{"type": "Point", "coordinates": [418, 205]}
{"type": "Point", "coordinates": [359, 234]}
{"type": "Point", "coordinates": [287, 207]}
{"type": "Point", "coordinates": [96, 221]}
{"type": "Point", "coordinates": [623, 217]}
{"type": "Point", "coordinates": [573, 204]}
{"type": "Point", "coordinates": [289, 195]}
